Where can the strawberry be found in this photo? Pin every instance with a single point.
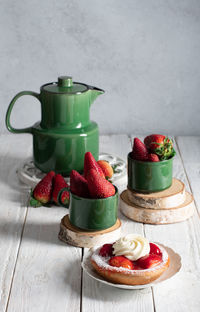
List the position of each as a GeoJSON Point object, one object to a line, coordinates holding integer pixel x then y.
{"type": "Point", "coordinates": [60, 183]}
{"type": "Point", "coordinates": [153, 157]}
{"type": "Point", "coordinates": [149, 261]}
{"type": "Point", "coordinates": [154, 249]}
{"type": "Point", "coordinates": [152, 141]}
{"type": "Point", "coordinates": [43, 190]}
{"type": "Point", "coordinates": [78, 184]}
{"type": "Point", "coordinates": [106, 168]}
{"type": "Point", "coordinates": [121, 262]}
{"type": "Point", "coordinates": [99, 187]}
{"type": "Point", "coordinates": [160, 145]}
{"type": "Point", "coordinates": [91, 163]}
{"type": "Point", "coordinates": [106, 250]}
{"type": "Point", "coordinates": [140, 151]}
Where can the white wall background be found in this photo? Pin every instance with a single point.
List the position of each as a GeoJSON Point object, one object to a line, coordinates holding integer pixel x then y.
{"type": "Point", "coordinates": [144, 53]}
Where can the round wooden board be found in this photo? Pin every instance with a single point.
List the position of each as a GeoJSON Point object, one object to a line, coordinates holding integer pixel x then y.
{"type": "Point", "coordinates": [80, 238]}
{"type": "Point", "coordinates": [157, 216]}
{"type": "Point", "coordinates": [169, 198]}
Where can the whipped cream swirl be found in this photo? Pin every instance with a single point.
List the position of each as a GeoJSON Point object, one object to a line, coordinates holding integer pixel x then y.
{"type": "Point", "coordinates": [132, 246]}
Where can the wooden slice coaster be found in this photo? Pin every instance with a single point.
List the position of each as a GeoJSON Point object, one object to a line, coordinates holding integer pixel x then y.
{"type": "Point", "coordinates": [157, 216]}
{"type": "Point", "coordinates": [80, 238]}
{"type": "Point", "coordinates": [169, 198]}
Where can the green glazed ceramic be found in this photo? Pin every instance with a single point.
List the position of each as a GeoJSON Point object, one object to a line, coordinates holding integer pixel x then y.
{"type": "Point", "coordinates": [146, 177]}
{"type": "Point", "coordinates": [91, 214]}
{"type": "Point", "coordinates": [65, 132]}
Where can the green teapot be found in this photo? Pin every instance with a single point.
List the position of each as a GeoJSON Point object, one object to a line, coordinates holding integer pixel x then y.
{"type": "Point", "coordinates": [65, 132]}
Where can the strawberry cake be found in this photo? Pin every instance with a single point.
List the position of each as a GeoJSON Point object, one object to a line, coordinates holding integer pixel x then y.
{"type": "Point", "coordinates": [131, 260]}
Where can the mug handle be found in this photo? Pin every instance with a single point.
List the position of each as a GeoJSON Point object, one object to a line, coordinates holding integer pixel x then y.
{"type": "Point", "coordinates": [60, 195]}
{"type": "Point", "coordinates": [10, 107]}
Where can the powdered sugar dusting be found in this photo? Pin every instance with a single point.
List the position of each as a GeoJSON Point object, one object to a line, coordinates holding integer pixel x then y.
{"type": "Point", "coordinates": [103, 263]}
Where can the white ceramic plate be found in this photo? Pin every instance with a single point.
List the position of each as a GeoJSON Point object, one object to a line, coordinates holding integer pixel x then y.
{"type": "Point", "coordinates": [175, 265]}
{"type": "Point", "coordinates": [30, 175]}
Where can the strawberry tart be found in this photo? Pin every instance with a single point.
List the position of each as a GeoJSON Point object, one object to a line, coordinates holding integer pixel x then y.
{"type": "Point", "coordinates": [131, 260]}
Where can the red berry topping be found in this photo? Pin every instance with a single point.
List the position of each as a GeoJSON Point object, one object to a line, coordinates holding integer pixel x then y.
{"type": "Point", "coordinates": [149, 261]}
{"type": "Point", "coordinates": [121, 261]}
{"type": "Point", "coordinates": [140, 151]}
{"type": "Point", "coordinates": [106, 250]}
{"type": "Point", "coordinates": [135, 266]}
{"type": "Point", "coordinates": [154, 249]}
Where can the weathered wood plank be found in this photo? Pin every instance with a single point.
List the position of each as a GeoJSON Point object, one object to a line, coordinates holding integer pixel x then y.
{"type": "Point", "coordinates": [180, 293]}
{"type": "Point", "coordinates": [47, 276]}
{"type": "Point", "coordinates": [13, 149]}
{"type": "Point", "coordinates": [190, 154]}
{"type": "Point", "coordinates": [97, 296]}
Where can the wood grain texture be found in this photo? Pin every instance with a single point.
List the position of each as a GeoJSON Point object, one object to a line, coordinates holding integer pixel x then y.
{"type": "Point", "coordinates": [47, 276]}
{"type": "Point", "coordinates": [97, 296]}
{"type": "Point", "coordinates": [190, 154]}
{"type": "Point", "coordinates": [157, 216]}
{"type": "Point", "coordinates": [180, 293]}
{"type": "Point", "coordinates": [48, 272]}
{"type": "Point", "coordinates": [14, 148]}
{"type": "Point", "coordinates": [76, 237]}
{"type": "Point", "coordinates": [169, 198]}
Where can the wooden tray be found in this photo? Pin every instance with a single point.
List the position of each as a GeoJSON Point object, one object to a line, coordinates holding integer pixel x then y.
{"type": "Point", "coordinates": [157, 216]}
{"type": "Point", "coordinates": [173, 196]}
{"type": "Point", "coordinates": [80, 238]}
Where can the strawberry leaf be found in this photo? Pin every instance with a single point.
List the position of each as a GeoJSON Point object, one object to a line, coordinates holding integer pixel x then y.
{"type": "Point", "coordinates": [115, 168]}
{"type": "Point", "coordinates": [173, 152]}
{"type": "Point", "coordinates": [34, 202]}
{"type": "Point", "coordinates": [156, 143]}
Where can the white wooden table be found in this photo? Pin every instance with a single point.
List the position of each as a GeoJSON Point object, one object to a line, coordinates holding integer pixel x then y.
{"type": "Point", "coordinates": [40, 273]}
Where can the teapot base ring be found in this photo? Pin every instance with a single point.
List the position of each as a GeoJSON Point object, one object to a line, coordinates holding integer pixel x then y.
{"type": "Point", "coordinates": [30, 175]}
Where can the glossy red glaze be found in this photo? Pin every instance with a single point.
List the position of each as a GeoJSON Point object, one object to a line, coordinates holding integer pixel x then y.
{"type": "Point", "coordinates": [121, 261]}
{"type": "Point", "coordinates": [106, 250]}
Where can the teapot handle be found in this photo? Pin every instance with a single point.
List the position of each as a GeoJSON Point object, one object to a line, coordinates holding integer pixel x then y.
{"type": "Point", "coordinates": [10, 107]}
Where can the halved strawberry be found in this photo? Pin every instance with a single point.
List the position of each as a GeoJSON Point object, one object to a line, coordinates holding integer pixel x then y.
{"type": "Point", "coordinates": [106, 250]}
{"type": "Point", "coordinates": [140, 151]}
{"type": "Point", "coordinates": [60, 183]}
{"type": "Point", "coordinates": [154, 249]}
{"type": "Point", "coordinates": [121, 261]}
{"type": "Point", "coordinates": [149, 261]}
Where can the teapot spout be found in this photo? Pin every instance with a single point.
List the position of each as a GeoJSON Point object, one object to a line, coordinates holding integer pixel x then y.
{"type": "Point", "coordinates": [95, 92]}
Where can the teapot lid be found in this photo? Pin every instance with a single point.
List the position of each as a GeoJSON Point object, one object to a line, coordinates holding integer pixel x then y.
{"type": "Point", "coordinates": [65, 85]}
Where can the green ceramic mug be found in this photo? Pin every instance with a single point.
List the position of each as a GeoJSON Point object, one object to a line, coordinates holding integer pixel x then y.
{"type": "Point", "coordinates": [147, 177]}
{"type": "Point", "coordinates": [91, 214]}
